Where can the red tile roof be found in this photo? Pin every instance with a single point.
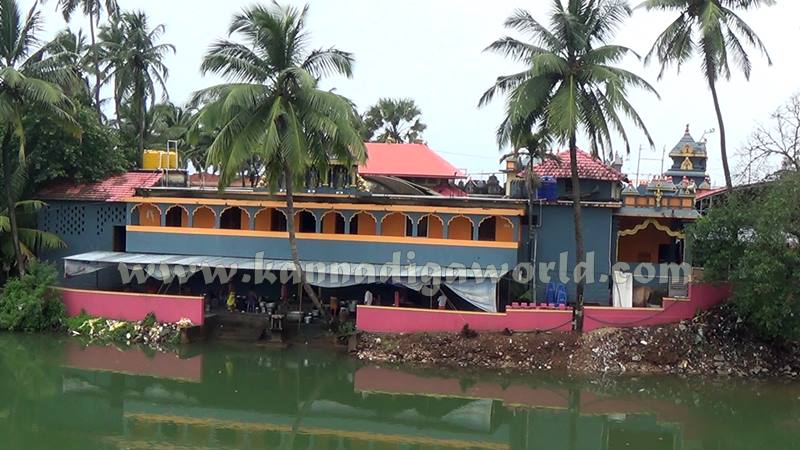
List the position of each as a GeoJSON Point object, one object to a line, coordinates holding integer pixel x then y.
{"type": "Point", "coordinates": [111, 189]}
{"type": "Point", "coordinates": [407, 160]}
{"type": "Point", "coordinates": [589, 168]}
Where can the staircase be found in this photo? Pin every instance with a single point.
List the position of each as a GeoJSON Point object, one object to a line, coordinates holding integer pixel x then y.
{"type": "Point", "coordinates": [236, 326]}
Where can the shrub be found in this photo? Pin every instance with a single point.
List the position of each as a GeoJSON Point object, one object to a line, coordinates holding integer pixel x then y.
{"type": "Point", "coordinates": [752, 242]}
{"type": "Point", "coordinates": [30, 303]}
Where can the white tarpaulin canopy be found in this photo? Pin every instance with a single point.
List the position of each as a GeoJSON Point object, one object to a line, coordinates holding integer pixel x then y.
{"type": "Point", "coordinates": [475, 287]}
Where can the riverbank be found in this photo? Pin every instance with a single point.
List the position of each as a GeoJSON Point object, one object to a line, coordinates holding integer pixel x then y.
{"type": "Point", "coordinates": [148, 332]}
{"type": "Point", "coordinates": [715, 342]}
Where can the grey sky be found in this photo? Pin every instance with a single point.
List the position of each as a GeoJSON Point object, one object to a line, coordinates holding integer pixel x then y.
{"type": "Point", "coordinates": [431, 51]}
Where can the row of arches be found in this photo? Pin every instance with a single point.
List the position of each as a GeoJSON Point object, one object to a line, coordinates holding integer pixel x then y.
{"type": "Point", "coordinates": [491, 228]}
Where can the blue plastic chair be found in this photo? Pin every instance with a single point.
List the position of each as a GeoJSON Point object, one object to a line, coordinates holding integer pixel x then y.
{"type": "Point", "coordinates": [550, 293]}
{"type": "Point", "coordinates": [561, 295]}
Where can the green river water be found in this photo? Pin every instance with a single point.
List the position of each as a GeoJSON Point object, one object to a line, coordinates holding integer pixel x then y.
{"type": "Point", "coordinates": [58, 394]}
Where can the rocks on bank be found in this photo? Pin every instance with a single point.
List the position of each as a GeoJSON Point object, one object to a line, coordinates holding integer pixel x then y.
{"type": "Point", "coordinates": [715, 342]}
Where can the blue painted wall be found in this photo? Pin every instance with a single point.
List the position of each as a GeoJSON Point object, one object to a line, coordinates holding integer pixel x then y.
{"type": "Point", "coordinates": [557, 234]}
{"type": "Point", "coordinates": [84, 227]}
{"type": "Point", "coordinates": [314, 250]}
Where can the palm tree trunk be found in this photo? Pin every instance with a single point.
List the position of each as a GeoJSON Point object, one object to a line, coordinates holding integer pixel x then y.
{"type": "Point", "coordinates": [142, 118]}
{"type": "Point", "coordinates": [290, 226]}
{"type": "Point", "coordinates": [723, 150]}
{"type": "Point", "coordinates": [10, 201]}
{"type": "Point", "coordinates": [96, 62]}
{"type": "Point", "coordinates": [580, 257]}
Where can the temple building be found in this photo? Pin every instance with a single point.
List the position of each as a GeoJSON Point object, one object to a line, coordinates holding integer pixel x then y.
{"type": "Point", "coordinates": [401, 215]}
{"type": "Point", "coordinates": [689, 159]}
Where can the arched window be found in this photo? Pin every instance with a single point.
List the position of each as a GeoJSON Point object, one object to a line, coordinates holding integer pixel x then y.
{"type": "Point", "coordinates": [263, 220]}
{"type": "Point", "coordinates": [333, 223]}
{"type": "Point", "coordinates": [146, 215]}
{"type": "Point", "coordinates": [203, 217]}
{"type": "Point", "coordinates": [431, 226]}
{"type": "Point", "coordinates": [459, 227]}
{"type": "Point", "coordinates": [364, 224]}
{"type": "Point", "coordinates": [177, 216]}
{"type": "Point", "coordinates": [504, 230]}
{"type": "Point", "coordinates": [305, 222]}
{"type": "Point", "coordinates": [270, 219]}
{"type": "Point", "coordinates": [396, 224]}
{"type": "Point", "coordinates": [234, 218]}
{"type": "Point", "coordinates": [487, 229]}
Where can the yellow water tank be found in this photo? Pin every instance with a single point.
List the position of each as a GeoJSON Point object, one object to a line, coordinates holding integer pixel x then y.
{"type": "Point", "coordinates": [151, 160]}
{"type": "Point", "coordinates": [173, 160]}
{"type": "Point", "coordinates": [159, 160]}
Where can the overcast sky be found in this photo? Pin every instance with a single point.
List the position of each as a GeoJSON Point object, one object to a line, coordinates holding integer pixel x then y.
{"type": "Point", "coordinates": [431, 51]}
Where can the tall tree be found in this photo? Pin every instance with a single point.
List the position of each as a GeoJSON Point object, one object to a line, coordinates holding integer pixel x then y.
{"type": "Point", "coordinates": [30, 80]}
{"type": "Point", "coordinates": [570, 85]}
{"type": "Point", "coordinates": [93, 9]}
{"type": "Point", "coordinates": [712, 29]}
{"type": "Point", "coordinates": [135, 58]}
{"type": "Point", "coordinates": [275, 109]}
{"type": "Point", "coordinates": [393, 120]}
{"type": "Point", "coordinates": [31, 240]}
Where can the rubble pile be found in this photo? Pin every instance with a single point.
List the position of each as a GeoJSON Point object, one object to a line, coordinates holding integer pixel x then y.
{"type": "Point", "coordinates": [715, 342]}
{"type": "Point", "coordinates": [147, 332]}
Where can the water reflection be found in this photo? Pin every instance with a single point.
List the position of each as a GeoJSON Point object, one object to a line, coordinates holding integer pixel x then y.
{"type": "Point", "coordinates": [58, 394]}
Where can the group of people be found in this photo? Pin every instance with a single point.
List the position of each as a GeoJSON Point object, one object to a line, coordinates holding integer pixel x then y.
{"type": "Point", "coordinates": [369, 299]}
{"type": "Point", "coordinates": [226, 297]}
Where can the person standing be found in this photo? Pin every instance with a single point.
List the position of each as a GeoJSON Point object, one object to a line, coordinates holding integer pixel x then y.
{"type": "Point", "coordinates": [231, 303]}
{"type": "Point", "coordinates": [442, 300]}
{"type": "Point", "coordinates": [368, 298]}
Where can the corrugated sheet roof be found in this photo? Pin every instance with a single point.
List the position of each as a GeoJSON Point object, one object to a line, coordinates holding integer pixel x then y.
{"type": "Point", "coordinates": [407, 160]}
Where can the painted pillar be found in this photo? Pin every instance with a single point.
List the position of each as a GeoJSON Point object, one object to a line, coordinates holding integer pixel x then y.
{"type": "Point", "coordinates": [162, 213]}
{"type": "Point", "coordinates": [347, 220]}
{"type": "Point", "coordinates": [379, 223]}
{"type": "Point", "coordinates": [476, 225]}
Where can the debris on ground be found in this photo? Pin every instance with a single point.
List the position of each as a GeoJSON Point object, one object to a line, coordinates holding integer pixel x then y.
{"type": "Point", "coordinates": [714, 342]}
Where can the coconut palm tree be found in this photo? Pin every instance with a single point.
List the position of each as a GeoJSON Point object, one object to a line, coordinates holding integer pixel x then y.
{"type": "Point", "coordinates": [135, 59]}
{"type": "Point", "coordinates": [275, 109]}
{"type": "Point", "coordinates": [712, 29]}
{"type": "Point", "coordinates": [93, 9]}
{"type": "Point", "coordinates": [31, 241]}
{"type": "Point", "coordinates": [569, 86]}
{"type": "Point", "coordinates": [30, 80]}
{"type": "Point", "coordinates": [393, 120]}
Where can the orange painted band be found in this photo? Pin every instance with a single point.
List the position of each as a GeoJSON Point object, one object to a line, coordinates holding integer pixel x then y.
{"type": "Point", "coordinates": [324, 236]}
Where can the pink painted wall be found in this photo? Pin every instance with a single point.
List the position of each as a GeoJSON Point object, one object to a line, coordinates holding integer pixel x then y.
{"type": "Point", "coordinates": [378, 319]}
{"type": "Point", "coordinates": [133, 361]}
{"type": "Point", "coordinates": [133, 306]}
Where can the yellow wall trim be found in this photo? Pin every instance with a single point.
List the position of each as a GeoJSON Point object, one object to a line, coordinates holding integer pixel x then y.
{"type": "Point", "coordinates": [325, 237]}
{"type": "Point", "coordinates": [655, 223]}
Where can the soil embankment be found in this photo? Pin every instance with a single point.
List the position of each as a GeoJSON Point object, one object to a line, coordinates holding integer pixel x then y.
{"type": "Point", "coordinates": [715, 342]}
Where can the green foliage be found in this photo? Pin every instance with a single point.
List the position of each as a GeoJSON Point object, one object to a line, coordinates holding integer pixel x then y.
{"type": "Point", "coordinates": [394, 120]}
{"type": "Point", "coordinates": [149, 320]}
{"type": "Point", "coordinates": [56, 154]}
{"type": "Point", "coordinates": [752, 241]}
{"type": "Point", "coordinates": [30, 303]}
{"type": "Point", "coordinates": [31, 240]}
{"type": "Point", "coordinates": [713, 30]}
{"type": "Point", "coordinates": [34, 80]}
{"type": "Point", "coordinates": [276, 110]}
{"type": "Point", "coordinates": [571, 82]}
{"type": "Point", "coordinates": [134, 57]}
{"type": "Point", "coordinates": [74, 323]}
